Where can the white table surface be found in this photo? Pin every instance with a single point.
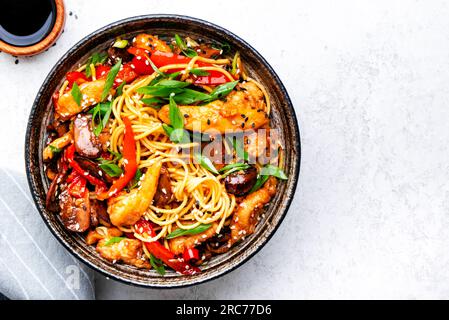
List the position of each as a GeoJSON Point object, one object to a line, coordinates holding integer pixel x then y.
{"type": "Point", "coordinates": [370, 84]}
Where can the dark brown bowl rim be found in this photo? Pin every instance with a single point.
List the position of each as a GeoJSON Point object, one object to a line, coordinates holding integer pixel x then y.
{"type": "Point", "coordinates": [202, 23]}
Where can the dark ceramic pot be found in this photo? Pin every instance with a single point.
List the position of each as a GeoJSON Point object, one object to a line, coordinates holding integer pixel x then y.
{"type": "Point", "coordinates": [283, 117]}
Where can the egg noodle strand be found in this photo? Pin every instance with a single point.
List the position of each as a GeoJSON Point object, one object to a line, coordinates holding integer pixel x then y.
{"type": "Point", "coordinates": [201, 197]}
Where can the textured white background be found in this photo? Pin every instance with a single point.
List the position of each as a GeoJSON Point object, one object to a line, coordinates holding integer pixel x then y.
{"type": "Point", "coordinates": [369, 81]}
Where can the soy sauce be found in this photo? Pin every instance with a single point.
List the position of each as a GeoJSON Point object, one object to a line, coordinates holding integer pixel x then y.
{"type": "Point", "coordinates": [26, 22]}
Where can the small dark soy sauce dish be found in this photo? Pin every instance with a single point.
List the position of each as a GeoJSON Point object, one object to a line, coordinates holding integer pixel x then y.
{"type": "Point", "coordinates": [30, 27]}
{"type": "Point", "coordinates": [282, 116]}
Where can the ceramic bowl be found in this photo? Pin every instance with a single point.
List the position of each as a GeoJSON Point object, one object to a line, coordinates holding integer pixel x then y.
{"type": "Point", "coordinates": [283, 117]}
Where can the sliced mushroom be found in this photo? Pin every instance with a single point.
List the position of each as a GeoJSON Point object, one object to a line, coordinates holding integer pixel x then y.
{"type": "Point", "coordinates": [93, 168]}
{"type": "Point", "coordinates": [98, 213]}
{"type": "Point", "coordinates": [116, 54]}
{"type": "Point", "coordinates": [86, 143]}
{"type": "Point", "coordinates": [164, 191]}
{"type": "Point", "coordinates": [241, 182]}
{"type": "Point", "coordinates": [75, 213]}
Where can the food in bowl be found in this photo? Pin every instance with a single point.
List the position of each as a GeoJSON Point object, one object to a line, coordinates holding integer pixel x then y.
{"type": "Point", "coordinates": [160, 152]}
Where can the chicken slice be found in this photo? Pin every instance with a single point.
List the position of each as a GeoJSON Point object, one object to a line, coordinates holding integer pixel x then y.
{"type": "Point", "coordinates": [91, 94]}
{"type": "Point", "coordinates": [127, 250]}
{"type": "Point", "coordinates": [179, 244]}
{"type": "Point", "coordinates": [58, 143]}
{"type": "Point", "coordinates": [246, 217]}
{"type": "Point", "coordinates": [243, 109]}
{"type": "Point", "coordinates": [126, 208]}
{"type": "Point", "coordinates": [102, 233]}
{"type": "Point", "coordinates": [150, 42]}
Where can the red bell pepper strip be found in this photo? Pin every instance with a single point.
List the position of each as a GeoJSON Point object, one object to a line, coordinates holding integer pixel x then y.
{"type": "Point", "coordinates": [161, 59]}
{"type": "Point", "coordinates": [101, 71]}
{"type": "Point", "coordinates": [142, 65]}
{"type": "Point", "coordinates": [77, 185]}
{"type": "Point", "coordinates": [138, 51]}
{"type": "Point", "coordinates": [127, 73]}
{"type": "Point", "coordinates": [75, 76]}
{"type": "Point", "coordinates": [69, 155]}
{"type": "Point", "coordinates": [129, 162]}
{"type": "Point", "coordinates": [214, 78]}
{"type": "Point", "coordinates": [191, 254]}
{"type": "Point", "coordinates": [72, 176]}
{"type": "Point", "coordinates": [162, 253]}
{"type": "Point", "coordinates": [140, 60]}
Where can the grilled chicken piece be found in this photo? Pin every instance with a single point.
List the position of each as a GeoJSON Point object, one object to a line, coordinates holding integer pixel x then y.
{"type": "Point", "coordinates": [149, 42]}
{"type": "Point", "coordinates": [246, 217]}
{"type": "Point", "coordinates": [243, 109]}
{"type": "Point", "coordinates": [262, 145]}
{"type": "Point", "coordinates": [102, 233]}
{"type": "Point", "coordinates": [75, 213]}
{"type": "Point", "coordinates": [128, 250]}
{"type": "Point", "coordinates": [126, 208]}
{"type": "Point", "coordinates": [58, 143]}
{"type": "Point", "coordinates": [164, 191]}
{"type": "Point", "coordinates": [179, 244]}
{"type": "Point", "coordinates": [91, 94]}
{"type": "Point", "coordinates": [86, 143]}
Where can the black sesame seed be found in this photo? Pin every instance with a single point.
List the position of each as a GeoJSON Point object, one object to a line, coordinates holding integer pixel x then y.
{"type": "Point", "coordinates": [243, 125]}
{"type": "Point", "coordinates": [208, 121]}
{"type": "Point", "coordinates": [17, 61]}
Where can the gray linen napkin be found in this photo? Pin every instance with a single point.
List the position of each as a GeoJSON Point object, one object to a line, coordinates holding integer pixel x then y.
{"type": "Point", "coordinates": [33, 264]}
